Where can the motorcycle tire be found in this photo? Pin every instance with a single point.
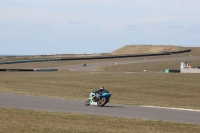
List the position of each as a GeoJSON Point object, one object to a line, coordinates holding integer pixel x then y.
{"type": "Point", "coordinates": [87, 103]}
{"type": "Point", "coordinates": [101, 102]}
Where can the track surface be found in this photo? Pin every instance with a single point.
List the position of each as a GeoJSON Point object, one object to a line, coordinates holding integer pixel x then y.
{"type": "Point", "coordinates": [92, 66]}
{"type": "Point", "coordinates": [62, 105]}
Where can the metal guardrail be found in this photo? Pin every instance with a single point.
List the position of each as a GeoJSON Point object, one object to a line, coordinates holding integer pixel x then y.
{"type": "Point", "coordinates": [44, 70]}
{"type": "Point", "coordinates": [26, 61]}
{"type": "Point", "coordinates": [28, 70]}
{"type": "Point", "coordinates": [172, 71]}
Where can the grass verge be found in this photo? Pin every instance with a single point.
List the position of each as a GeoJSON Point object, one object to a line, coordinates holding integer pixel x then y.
{"type": "Point", "coordinates": [155, 89]}
{"type": "Point", "coordinates": [25, 121]}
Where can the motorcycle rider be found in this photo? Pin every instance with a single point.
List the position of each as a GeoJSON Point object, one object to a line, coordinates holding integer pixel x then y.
{"type": "Point", "coordinates": [99, 92]}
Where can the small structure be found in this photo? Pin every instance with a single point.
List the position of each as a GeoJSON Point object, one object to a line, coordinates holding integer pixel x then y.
{"type": "Point", "coordinates": [185, 65]}
{"type": "Point", "coordinates": [187, 68]}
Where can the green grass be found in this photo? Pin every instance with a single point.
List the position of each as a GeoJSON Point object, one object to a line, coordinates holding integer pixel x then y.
{"type": "Point", "coordinates": [26, 121]}
{"type": "Point", "coordinates": [150, 67]}
{"type": "Point", "coordinates": [155, 89]}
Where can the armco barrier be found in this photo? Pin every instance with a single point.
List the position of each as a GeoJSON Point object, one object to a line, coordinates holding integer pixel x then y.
{"type": "Point", "coordinates": [26, 61]}
{"type": "Point", "coordinates": [172, 71]}
{"type": "Point", "coordinates": [17, 70]}
{"type": "Point", "coordinates": [27, 70]}
{"type": "Point", "coordinates": [44, 70]}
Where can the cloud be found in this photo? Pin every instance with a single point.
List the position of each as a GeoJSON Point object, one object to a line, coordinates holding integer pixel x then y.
{"type": "Point", "coordinates": [155, 24]}
{"type": "Point", "coordinates": [73, 22]}
{"type": "Point", "coordinates": [175, 27]}
{"type": "Point", "coordinates": [99, 12]}
{"type": "Point", "coordinates": [193, 29]}
{"type": "Point", "coordinates": [43, 25]}
{"type": "Point", "coordinates": [144, 23]}
{"type": "Point", "coordinates": [131, 27]}
{"type": "Point", "coordinates": [79, 22]}
{"type": "Point", "coordinates": [97, 26]}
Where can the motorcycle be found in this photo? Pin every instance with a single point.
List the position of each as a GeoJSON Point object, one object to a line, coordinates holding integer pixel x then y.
{"type": "Point", "coordinates": [96, 99]}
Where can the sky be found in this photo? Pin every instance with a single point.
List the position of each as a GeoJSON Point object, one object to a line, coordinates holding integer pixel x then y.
{"type": "Point", "coordinates": [44, 27]}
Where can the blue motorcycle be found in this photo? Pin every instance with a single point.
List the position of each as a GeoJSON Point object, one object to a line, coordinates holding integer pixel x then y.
{"type": "Point", "coordinates": [99, 100]}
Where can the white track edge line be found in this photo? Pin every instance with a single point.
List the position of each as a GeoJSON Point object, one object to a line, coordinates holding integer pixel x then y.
{"type": "Point", "coordinates": [171, 108]}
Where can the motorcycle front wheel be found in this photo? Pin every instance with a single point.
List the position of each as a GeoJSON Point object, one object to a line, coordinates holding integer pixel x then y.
{"type": "Point", "coordinates": [87, 103]}
{"type": "Point", "coordinates": [101, 102]}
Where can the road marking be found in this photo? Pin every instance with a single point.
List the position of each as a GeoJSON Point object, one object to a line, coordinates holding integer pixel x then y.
{"type": "Point", "coordinates": [128, 72]}
{"type": "Point", "coordinates": [171, 108]}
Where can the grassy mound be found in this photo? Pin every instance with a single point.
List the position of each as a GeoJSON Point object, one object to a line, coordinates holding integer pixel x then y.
{"type": "Point", "coordinates": [144, 49]}
{"type": "Point", "coordinates": [127, 49]}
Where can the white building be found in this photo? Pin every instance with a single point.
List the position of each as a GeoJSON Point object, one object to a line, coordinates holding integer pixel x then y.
{"type": "Point", "coordinates": [187, 68]}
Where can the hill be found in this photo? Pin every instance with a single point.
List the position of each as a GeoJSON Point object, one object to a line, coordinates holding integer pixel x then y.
{"type": "Point", "coordinates": [143, 49]}
{"type": "Point", "coordinates": [127, 49]}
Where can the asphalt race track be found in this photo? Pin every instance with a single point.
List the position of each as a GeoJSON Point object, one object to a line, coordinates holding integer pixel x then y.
{"type": "Point", "coordinates": [61, 105]}
{"type": "Point", "coordinates": [92, 66]}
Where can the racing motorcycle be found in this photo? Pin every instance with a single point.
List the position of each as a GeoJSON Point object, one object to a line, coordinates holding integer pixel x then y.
{"type": "Point", "coordinates": [99, 100]}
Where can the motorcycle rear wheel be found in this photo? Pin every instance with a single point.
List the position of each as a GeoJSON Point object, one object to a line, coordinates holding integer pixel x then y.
{"type": "Point", "coordinates": [102, 102]}
{"type": "Point", "coordinates": [87, 103]}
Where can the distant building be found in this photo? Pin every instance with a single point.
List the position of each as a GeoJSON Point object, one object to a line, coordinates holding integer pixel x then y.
{"type": "Point", "coordinates": [186, 67]}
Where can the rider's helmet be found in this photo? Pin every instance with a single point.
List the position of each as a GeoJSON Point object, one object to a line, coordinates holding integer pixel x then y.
{"type": "Point", "coordinates": [102, 88]}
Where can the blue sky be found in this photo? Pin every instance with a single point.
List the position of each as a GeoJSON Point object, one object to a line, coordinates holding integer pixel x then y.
{"type": "Point", "coordinates": [35, 27]}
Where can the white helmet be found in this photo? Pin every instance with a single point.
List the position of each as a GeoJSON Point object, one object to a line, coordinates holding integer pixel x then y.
{"type": "Point", "coordinates": [101, 88]}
